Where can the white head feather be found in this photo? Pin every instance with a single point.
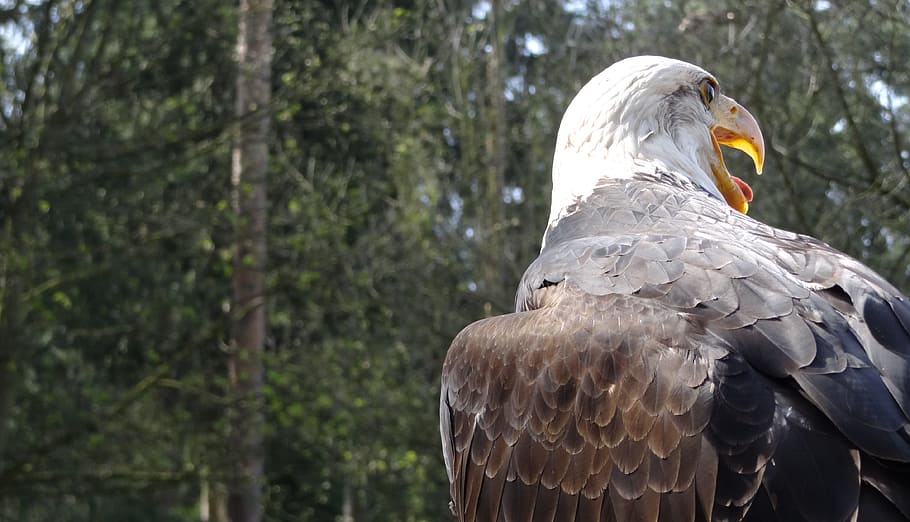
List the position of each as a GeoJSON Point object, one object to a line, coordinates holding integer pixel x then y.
{"type": "Point", "coordinates": [639, 113]}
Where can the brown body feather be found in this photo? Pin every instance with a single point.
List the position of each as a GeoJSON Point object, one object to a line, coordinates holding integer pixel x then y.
{"type": "Point", "coordinates": [672, 360]}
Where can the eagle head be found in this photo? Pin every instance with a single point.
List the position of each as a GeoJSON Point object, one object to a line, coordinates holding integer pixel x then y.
{"type": "Point", "coordinates": [650, 111]}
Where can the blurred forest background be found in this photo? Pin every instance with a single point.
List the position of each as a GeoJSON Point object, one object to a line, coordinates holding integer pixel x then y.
{"type": "Point", "coordinates": [408, 178]}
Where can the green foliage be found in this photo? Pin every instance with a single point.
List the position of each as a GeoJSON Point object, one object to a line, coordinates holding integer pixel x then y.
{"type": "Point", "coordinates": [394, 221]}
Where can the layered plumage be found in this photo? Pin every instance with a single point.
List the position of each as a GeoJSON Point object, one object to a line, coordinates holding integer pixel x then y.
{"type": "Point", "coordinates": [671, 358]}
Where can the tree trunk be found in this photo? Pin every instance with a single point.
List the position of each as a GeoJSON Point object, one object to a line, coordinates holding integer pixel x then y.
{"type": "Point", "coordinates": [347, 501]}
{"type": "Point", "coordinates": [248, 179]}
{"type": "Point", "coordinates": [495, 162]}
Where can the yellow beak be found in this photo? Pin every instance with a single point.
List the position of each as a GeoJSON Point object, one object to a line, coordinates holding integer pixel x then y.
{"type": "Point", "coordinates": [736, 128]}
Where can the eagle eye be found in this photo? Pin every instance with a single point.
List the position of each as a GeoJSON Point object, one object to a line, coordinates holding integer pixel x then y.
{"type": "Point", "coordinates": [708, 89]}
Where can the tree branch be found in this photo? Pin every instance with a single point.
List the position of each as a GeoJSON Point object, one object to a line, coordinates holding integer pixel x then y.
{"type": "Point", "coordinates": [872, 169]}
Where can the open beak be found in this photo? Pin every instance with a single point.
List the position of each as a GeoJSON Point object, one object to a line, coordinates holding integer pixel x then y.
{"type": "Point", "coordinates": [736, 128]}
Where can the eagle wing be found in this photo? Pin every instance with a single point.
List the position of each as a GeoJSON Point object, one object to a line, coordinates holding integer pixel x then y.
{"type": "Point", "coordinates": [673, 360]}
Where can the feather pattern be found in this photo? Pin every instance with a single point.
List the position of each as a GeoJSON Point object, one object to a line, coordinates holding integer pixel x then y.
{"type": "Point", "coordinates": [734, 380]}
{"type": "Point", "coordinates": [670, 359]}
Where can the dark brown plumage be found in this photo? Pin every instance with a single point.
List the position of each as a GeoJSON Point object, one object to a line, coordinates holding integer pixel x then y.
{"type": "Point", "coordinates": [672, 359]}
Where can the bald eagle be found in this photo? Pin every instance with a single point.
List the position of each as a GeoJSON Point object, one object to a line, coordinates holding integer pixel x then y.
{"type": "Point", "coordinates": [670, 358]}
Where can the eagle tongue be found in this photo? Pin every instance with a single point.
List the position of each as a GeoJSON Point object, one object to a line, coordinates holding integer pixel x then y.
{"type": "Point", "coordinates": [743, 186]}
